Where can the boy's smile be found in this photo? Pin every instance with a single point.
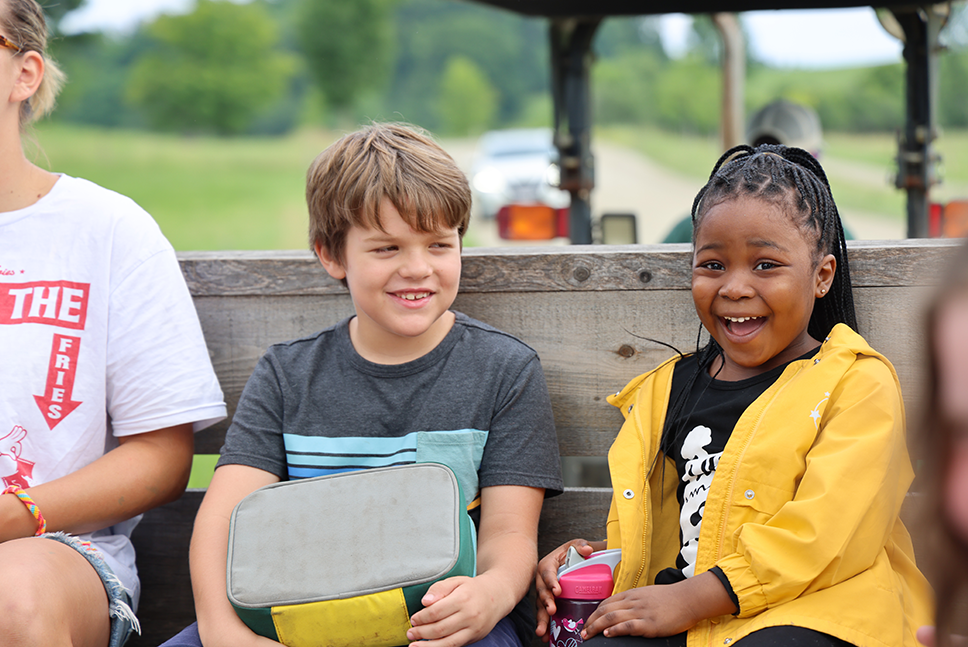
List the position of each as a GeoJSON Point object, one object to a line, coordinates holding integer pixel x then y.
{"type": "Point", "coordinates": [754, 283]}
{"type": "Point", "coordinates": [402, 282]}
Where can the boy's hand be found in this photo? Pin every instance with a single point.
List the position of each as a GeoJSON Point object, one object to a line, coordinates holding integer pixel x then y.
{"type": "Point", "coordinates": [660, 610]}
{"type": "Point", "coordinates": [459, 611]}
{"type": "Point", "coordinates": [546, 581]}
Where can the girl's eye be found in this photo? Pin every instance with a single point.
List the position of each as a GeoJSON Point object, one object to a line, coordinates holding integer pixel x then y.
{"type": "Point", "coordinates": [715, 266]}
{"type": "Point", "coordinates": [765, 265]}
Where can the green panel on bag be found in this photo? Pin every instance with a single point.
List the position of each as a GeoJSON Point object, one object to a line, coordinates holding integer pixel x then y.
{"type": "Point", "coordinates": [466, 564]}
{"type": "Point", "coordinates": [259, 621]}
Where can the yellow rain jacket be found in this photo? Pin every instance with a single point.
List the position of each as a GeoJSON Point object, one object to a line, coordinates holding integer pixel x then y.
{"type": "Point", "coordinates": [802, 513]}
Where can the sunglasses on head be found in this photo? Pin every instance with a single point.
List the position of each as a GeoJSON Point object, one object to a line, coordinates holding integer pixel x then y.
{"type": "Point", "coordinates": [4, 42]}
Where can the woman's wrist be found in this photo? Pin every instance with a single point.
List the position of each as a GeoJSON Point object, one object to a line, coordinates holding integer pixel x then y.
{"type": "Point", "coordinates": [16, 520]}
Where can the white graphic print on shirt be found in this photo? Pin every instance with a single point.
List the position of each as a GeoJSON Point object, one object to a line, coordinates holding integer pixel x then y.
{"type": "Point", "coordinates": [698, 476]}
{"type": "Point", "coordinates": [60, 305]}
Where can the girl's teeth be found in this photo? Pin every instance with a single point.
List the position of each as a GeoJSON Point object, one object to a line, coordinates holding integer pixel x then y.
{"type": "Point", "coordinates": [739, 319]}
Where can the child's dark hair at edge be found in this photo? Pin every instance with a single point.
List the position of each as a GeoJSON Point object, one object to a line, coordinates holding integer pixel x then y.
{"type": "Point", "coordinates": [792, 179]}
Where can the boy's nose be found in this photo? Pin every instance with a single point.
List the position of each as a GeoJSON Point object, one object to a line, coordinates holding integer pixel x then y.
{"type": "Point", "coordinates": [416, 266]}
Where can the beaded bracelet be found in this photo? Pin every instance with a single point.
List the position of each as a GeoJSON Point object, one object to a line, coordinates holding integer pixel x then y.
{"type": "Point", "coordinates": [31, 506]}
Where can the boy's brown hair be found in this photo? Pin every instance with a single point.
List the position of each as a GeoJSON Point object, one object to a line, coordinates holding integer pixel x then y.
{"type": "Point", "coordinates": [348, 181]}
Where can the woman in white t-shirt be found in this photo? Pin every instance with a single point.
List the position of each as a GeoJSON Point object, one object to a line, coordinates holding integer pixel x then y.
{"type": "Point", "coordinates": [104, 376]}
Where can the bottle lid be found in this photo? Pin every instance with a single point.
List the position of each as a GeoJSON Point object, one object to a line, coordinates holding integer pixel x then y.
{"type": "Point", "coordinates": [591, 583]}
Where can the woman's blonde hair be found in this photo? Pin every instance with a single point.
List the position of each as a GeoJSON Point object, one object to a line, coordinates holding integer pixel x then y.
{"type": "Point", "coordinates": [24, 23]}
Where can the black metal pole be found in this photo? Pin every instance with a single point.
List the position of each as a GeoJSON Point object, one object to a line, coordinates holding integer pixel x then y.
{"type": "Point", "coordinates": [571, 56]}
{"type": "Point", "coordinates": [916, 159]}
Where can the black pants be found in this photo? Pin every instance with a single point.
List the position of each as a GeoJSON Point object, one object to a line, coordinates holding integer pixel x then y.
{"type": "Point", "coordinates": [769, 637]}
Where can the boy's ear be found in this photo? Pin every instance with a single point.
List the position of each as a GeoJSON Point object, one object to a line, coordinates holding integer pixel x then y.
{"type": "Point", "coordinates": [30, 76]}
{"type": "Point", "coordinates": [333, 267]}
{"type": "Point", "coordinates": [825, 275]}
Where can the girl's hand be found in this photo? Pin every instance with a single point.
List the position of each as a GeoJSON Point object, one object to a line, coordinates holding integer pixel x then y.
{"type": "Point", "coordinates": [458, 611]}
{"type": "Point", "coordinates": [660, 610]}
{"type": "Point", "coordinates": [546, 580]}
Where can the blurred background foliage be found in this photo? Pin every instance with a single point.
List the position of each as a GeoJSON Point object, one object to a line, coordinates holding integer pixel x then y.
{"type": "Point", "coordinates": [209, 119]}
{"type": "Point", "coordinates": [456, 68]}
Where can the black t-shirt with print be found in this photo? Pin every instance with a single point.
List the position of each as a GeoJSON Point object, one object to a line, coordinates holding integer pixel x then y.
{"type": "Point", "coordinates": [699, 433]}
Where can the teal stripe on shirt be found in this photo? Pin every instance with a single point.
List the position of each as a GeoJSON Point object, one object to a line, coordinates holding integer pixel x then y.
{"type": "Point", "coordinates": [461, 450]}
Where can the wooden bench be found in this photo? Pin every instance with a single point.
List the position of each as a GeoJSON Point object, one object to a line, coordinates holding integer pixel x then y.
{"type": "Point", "coordinates": [586, 310]}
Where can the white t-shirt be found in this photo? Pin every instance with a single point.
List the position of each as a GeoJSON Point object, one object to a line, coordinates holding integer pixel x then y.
{"type": "Point", "coordinates": [98, 339]}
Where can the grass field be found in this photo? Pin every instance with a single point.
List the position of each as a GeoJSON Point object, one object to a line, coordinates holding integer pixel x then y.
{"type": "Point", "coordinates": [205, 193]}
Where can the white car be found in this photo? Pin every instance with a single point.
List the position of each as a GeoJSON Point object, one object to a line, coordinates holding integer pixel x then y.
{"type": "Point", "coordinates": [516, 166]}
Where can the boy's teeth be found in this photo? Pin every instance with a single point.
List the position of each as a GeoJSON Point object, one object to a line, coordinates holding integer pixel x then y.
{"type": "Point", "coordinates": [414, 296]}
{"type": "Point", "coordinates": [739, 319]}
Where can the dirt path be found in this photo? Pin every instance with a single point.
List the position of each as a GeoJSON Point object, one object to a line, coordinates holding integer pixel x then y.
{"type": "Point", "coordinates": [629, 182]}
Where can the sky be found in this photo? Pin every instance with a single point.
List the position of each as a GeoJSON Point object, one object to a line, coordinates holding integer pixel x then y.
{"type": "Point", "coordinates": [788, 38]}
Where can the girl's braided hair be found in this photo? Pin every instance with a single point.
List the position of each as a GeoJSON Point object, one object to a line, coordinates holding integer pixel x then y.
{"type": "Point", "coordinates": [793, 179]}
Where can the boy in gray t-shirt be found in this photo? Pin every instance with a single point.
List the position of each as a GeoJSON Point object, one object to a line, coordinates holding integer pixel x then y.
{"type": "Point", "coordinates": [405, 380]}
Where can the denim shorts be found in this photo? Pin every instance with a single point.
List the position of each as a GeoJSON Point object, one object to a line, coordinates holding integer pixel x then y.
{"type": "Point", "coordinates": [123, 620]}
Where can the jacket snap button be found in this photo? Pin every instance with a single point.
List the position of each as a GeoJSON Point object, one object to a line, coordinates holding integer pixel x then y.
{"type": "Point", "coordinates": [727, 641]}
{"type": "Point", "coordinates": [749, 494]}
{"type": "Point", "coordinates": [628, 494]}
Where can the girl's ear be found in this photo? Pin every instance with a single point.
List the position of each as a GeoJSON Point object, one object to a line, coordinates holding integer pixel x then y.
{"type": "Point", "coordinates": [29, 78]}
{"type": "Point", "coordinates": [332, 266]}
{"type": "Point", "coordinates": [825, 275]}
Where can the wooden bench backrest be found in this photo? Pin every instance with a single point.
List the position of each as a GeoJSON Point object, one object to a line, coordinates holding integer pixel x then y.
{"type": "Point", "coordinates": [587, 311]}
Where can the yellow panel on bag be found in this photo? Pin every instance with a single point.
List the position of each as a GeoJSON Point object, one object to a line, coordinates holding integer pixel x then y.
{"type": "Point", "coordinates": [375, 620]}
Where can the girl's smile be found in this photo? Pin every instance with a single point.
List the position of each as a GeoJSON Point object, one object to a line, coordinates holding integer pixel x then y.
{"type": "Point", "coordinates": [754, 282]}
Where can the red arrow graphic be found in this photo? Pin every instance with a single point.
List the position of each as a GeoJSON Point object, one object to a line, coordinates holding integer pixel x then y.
{"type": "Point", "coordinates": [56, 403]}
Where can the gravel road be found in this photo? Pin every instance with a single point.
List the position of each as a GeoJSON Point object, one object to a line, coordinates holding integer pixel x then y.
{"type": "Point", "coordinates": [629, 182]}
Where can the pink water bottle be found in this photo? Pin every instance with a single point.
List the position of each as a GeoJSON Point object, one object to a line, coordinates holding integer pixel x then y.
{"type": "Point", "coordinates": [582, 590]}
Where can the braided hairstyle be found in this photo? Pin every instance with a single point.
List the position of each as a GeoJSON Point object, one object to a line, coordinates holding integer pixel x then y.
{"type": "Point", "coordinates": [793, 179]}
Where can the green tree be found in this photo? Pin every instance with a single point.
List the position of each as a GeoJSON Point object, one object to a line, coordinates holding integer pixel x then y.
{"type": "Point", "coordinates": [953, 72]}
{"type": "Point", "coordinates": [688, 96]}
{"type": "Point", "coordinates": [347, 45]}
{"type": "Point", "coordinates": [213, 70]}
{"type": "Point", "coordinates": [511, 50]}
{"type": "Point", "coordinates": [624, 87]}
{"type": "Point", "coordinates": [56, 9]}
{"type": "Point", "coordinates": [467, 102]}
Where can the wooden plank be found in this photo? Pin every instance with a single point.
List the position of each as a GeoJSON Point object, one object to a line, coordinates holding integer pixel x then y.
{"type": "Point", "coordinates": [543, 269]}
